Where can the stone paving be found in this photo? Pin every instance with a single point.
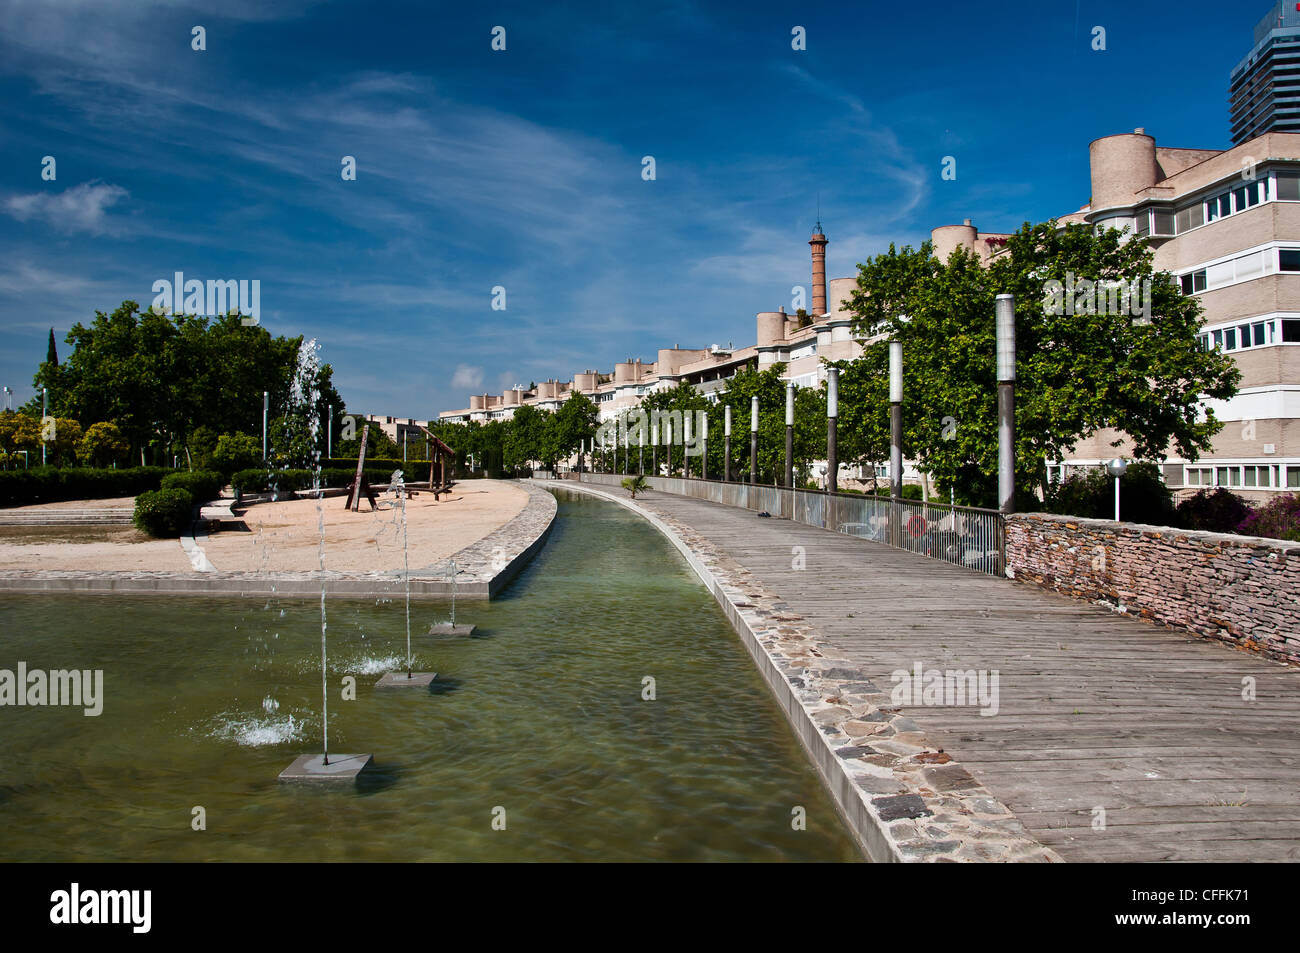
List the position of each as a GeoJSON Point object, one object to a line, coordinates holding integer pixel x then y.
{"type": "Point", "coordinates": [904, 798]}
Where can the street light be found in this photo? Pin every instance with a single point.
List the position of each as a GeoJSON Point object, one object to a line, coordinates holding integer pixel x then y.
{"type": "Point", "coordinates": [1117, 468]}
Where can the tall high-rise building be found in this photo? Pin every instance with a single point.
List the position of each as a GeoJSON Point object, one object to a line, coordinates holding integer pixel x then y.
{"type": "Point", "coordinates": [1264, 89]}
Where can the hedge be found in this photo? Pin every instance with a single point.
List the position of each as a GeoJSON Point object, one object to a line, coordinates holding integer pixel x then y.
{"type": "Point", "coordinates": [163, 512]}
{"type": "Point", "coordinates": [257, 481]}
{"type": "Point", "coordinates": [54, 484]}
{"type": "Point", "coordinates": [202, 485]}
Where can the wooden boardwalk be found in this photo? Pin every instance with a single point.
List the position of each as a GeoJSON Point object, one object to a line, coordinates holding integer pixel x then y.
{"type": "Point", "coordinates": [1096, 710]}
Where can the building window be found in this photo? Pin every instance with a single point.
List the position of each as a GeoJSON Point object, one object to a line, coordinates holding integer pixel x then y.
{"type": "Point", "coordinates": [1293, 477]}
{"type": "Point", "coordinates": [1162, 222]}
{"type": "Point", "coordinates": [1287, 186]}
{"type": "Point", "coordinates": [1194, 282]}
{"type": "Point", "coordinates": [1288, 259]}
{"type": "Point", "coordinates": [1193, 216]}
{"type": "Point", "coordinates": [1291, 331]}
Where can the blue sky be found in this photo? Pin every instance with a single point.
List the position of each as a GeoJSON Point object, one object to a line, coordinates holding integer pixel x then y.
{"type": "Point", "coordinates": [523, 168]}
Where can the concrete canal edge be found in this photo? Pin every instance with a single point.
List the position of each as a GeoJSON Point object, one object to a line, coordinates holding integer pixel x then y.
{"type": "Point", "coordinates": [483, 569]}
{"type": "Point", "coordinates": [902, 800]}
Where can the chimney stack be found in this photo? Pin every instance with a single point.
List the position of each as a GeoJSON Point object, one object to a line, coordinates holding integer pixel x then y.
{"type": "Point", "coordinates": [818, 243]}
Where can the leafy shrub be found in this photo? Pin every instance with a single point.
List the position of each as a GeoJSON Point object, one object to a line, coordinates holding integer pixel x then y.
{"type": "Point", "coordinates": [1279, 518]}
{"type": "Point", "coordinates": [163, 513]}
{"type": "Point", "coordinates": [257, 480]}
{"type": "Point", "coordinates": [911, 491]}
{"type": "Point", "coordinates": [1219, 512]}
{"type": "Point", "coordinates": [236, 451]}
{"type": "Point", "coordinates": [53, 484]}
{"type": "Point", "coordinates": [202, 485]}
{"type": "Point", "coordinates": [1144, 498]}
{"type": "Point", "coordinates": [635, 485]}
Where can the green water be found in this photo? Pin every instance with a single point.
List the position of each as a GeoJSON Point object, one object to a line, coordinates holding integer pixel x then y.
{"type": "Point", "coordinates": [541, 713]}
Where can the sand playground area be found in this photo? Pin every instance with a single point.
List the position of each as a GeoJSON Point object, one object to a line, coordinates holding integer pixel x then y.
{"type": "Point", "coordinates": [279, 537]}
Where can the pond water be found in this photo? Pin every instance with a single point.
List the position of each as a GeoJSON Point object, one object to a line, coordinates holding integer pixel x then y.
{"type": "Point", "coordinates": [540, 713]}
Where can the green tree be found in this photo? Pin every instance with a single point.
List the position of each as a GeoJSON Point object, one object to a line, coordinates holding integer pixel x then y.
{"type": "Point", "coordinates": [1076, 374]}
{"type": "Point", "coordinates": [163, 378]}
{"type": "Point", "coordinates": [575, 422]}
{"type": "Point", "coordinates": [103, 444]}
{"type": "Point", "coordinates": [235, 452]}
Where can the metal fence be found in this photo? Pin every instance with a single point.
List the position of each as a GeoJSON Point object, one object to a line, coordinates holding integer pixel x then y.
{"type": "Point", "coordinates": [961, 535]}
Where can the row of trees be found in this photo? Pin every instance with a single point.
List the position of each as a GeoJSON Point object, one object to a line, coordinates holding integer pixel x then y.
{"type": "Point", "coordinates": [167, 385]}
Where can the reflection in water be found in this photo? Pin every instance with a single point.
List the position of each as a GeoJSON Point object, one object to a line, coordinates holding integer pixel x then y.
{"type": "Point", "coordinates": [208, 699]}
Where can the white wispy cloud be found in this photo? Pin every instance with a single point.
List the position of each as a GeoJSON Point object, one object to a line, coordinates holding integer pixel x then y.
{"type": "Point", "coordinates": [467, 377]}
{"type": "Point", "coordinates": [81, 208]}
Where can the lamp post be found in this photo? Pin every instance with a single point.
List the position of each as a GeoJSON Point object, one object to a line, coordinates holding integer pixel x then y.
{"type": "Point", "coordinates": [654, 447]}
{"type": "Point", "coordinates": [1006, 367]}
{"type": "Point", "coordinates": [266, 405]}
{"type": "Point", "coordinates": [753, 440]}
{"type": "Point", "coordinates": [896, 420]}
{"type": "Point", "coordinates": [44, 413]}
{"type": "Point", "coordinates": [726, 443]}
{"type": "Point", "coordinates": [687, 440]}
{"type": "Point", "coordinates": [1117, 468]}
{"type": "Point", "coordinates": [704, 446]}
{"type": "Point", "coordinates": [832, 415]}
{"type": "Point", "coordinates": [789, 434]}
{"type": "Point", "coordinates": [8, 399]}
{"type": "Point", "coordinates": [668, 442]}
{"type": "Point", "coordinates": [329, 434]}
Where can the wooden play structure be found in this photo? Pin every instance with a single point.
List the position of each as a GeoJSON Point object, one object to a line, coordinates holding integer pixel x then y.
{"type": "Point", "coordinates": [439, 483]}
{"type": "Point", "coordinates": [439, 454]}
{"type": "Point", "coordinates": [360, 485]}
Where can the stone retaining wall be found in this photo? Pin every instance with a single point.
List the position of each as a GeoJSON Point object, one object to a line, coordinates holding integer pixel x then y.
{"type": "Point", "coordinates": [1243, 590]}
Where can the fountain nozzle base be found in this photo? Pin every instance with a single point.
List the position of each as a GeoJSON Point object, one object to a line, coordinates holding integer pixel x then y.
{"type": "Point", "coordinates": [311, 768]}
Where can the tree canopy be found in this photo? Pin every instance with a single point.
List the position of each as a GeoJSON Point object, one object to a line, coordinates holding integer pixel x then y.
{"type": "Point", "coordinates": [168, 382]}
{"type": "Point", "coordinates": [1078, 370]}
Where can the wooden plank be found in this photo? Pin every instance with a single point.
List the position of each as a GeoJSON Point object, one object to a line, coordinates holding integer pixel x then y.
{"type": "Point", "coordinates": [1150, 700]}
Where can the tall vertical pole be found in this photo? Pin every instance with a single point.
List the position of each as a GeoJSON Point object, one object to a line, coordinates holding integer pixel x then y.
{"type": "Point", "coordinates": [896, 420]}
{"type": "Point", "coordinates": [753, 440]}
{"type": "Point", "coordinates": [45, 392]}
{"type": "Point", "coordinates": [726, 443]}
{"type": "Point", "coordinates": [654, 448]}
{"type": "Point", "coordinates": [329, 434]}
{"type": "Point", "coordinates": [895, 443]}
{"type": "Point", "coordinates": [627, 459]}
{"type": "Point", "coordinates": [668, 442]}
{"type": "Point", "coordinates": [704, 446]}
{"type": "Point", "coordinates": [789, 434]}
{"type": "Point", "coordinates": [832, 422]}
{"type": "Point", "coordinates": [1006, 341]}
{"type": "Point", "coordinates": [266, 405]}
{"type": "Point", "coordinates": [687, 435]}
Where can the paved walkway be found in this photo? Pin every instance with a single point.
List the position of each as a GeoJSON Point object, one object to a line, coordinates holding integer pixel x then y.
{"type": "Point", "coordinates": [1097, 712]}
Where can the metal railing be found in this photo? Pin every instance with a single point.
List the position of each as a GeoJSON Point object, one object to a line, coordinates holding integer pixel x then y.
{"type": "Point", "coordinates": [962, 535]}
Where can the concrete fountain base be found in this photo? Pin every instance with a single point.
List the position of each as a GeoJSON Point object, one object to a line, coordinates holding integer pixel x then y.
{"type": "Point", "coordinates": [311, 768]}
{"type": "Point", "coordinates": [446, 628]}
{"type": "Point", "coordinates": [403, 680]}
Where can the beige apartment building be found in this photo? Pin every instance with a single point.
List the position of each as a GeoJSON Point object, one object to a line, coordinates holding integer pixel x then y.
{"type": "Point", "coordinates": [1225, 224]}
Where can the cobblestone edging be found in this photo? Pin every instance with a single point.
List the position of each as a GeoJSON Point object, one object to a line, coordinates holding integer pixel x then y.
{"type": "Point", "coordinates": [483, 569]}
{"type": "Point", "coordinates": [902, 798]}
{"type": "Point", "coordinates": [1242, 590]}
